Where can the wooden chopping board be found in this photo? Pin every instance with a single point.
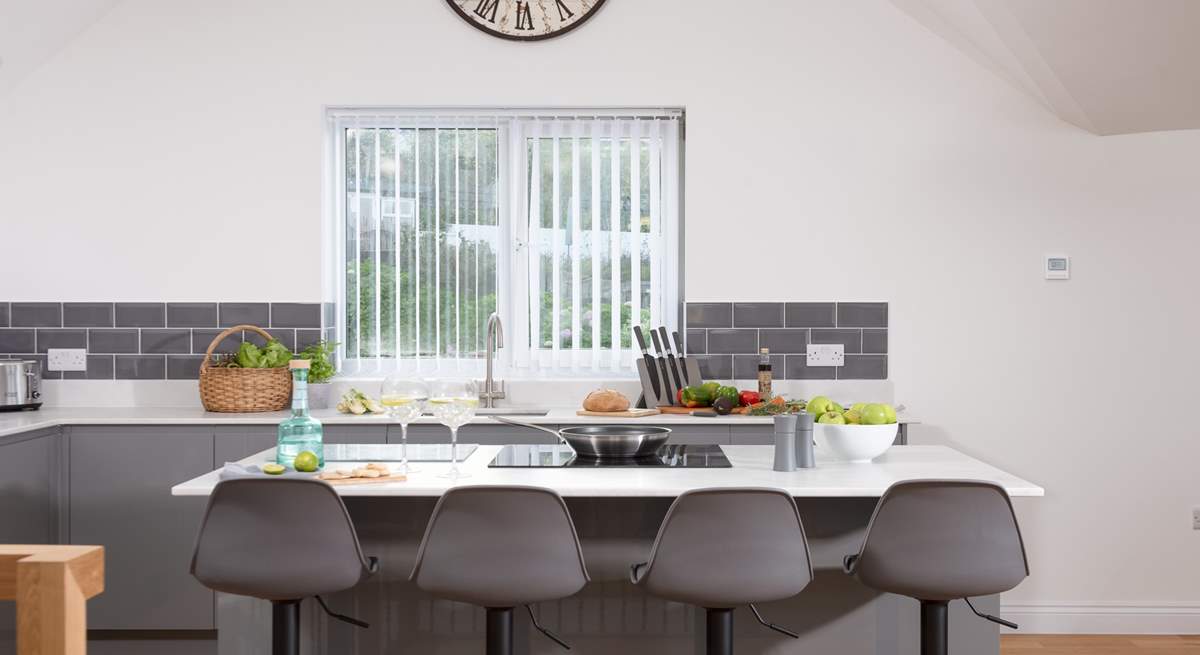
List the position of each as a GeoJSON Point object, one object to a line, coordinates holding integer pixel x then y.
{"type": "Point", "coordinates": [629, 413]}
{"type": "Point", "coordinates": [355, 481]}
{"type": "Point", "coordinates": [688, 410]}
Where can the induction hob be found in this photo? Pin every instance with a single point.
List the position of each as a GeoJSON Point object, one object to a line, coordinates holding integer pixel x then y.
{"type": "Point", "coordinates": [560, 455]}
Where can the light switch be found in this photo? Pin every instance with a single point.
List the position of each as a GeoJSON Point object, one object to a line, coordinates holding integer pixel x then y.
{"type": "Point", "coordinates": [1058, 267]}
{"type": "Point", "coordinates": [826, 354]}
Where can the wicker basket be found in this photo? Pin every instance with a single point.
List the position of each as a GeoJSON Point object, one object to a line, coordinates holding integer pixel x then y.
{"type": "Point", "coordinates": [243, 389]}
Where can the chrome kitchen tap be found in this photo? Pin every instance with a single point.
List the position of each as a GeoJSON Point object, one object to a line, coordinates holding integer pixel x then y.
{"type": "Point", "coordinates": [494, 340]}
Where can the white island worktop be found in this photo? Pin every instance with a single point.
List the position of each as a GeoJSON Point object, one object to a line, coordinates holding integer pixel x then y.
{"type": "Point", "coordinates": [752, 467]}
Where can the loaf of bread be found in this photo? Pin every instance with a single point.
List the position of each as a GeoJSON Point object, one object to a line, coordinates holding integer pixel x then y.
{"type": "Point", "coordinates": [606, 400]}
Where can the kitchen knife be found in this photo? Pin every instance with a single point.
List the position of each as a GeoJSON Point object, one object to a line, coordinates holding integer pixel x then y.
{"type": "Point", "coordinates": [668, 383]}
{"type": "Point", "coordinates": [651, 365]}
{"type": "Point", "coordinates": [672, 361]}
{"type": "Point", "coordinates": [682, 359]}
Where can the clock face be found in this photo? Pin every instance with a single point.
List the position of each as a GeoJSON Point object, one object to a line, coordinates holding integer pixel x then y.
{"type": "Point", "coordinates": [525, 20]}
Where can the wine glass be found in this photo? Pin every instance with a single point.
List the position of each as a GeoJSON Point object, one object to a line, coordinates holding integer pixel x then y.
{"type": "Point", "coordinates": [404, 399]}
{"type": "Point", "coordinates": [453, 402]}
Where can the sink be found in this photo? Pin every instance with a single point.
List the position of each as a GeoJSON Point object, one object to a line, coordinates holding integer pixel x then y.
{"type": "Point", "coordinates": [507, 411]}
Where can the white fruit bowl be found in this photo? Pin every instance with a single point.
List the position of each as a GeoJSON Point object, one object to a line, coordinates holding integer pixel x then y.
{"type": "Point", "coordinates": [854, 443]}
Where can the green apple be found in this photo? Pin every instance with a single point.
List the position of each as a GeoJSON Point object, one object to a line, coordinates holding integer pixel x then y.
{"type": "Point", "coordinates": [857, 407]}
{"type": "Point", "coordinates": [832, 418]}
{"type": "Point", "coordinates": [891, 413]}
{"type": "Point", "coordinates": [853, 417]}
{"type": "Point", "coordinates": [874, 414]}
{"type": "Point", "coordinates": [819, 405]}
{"type": "Point", "coordinates": [834, 407]}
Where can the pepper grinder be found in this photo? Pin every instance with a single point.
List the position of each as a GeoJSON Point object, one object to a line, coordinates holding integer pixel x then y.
{"type": "Point", "coordinates": [785, 442]}
{"type": "Point", "coordinates": [804, 441]}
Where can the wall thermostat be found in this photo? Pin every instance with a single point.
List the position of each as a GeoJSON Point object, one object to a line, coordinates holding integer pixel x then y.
{"type": "Point", "coordinates": [1058, 267]}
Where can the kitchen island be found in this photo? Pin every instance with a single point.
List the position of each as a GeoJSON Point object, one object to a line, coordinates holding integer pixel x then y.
{"type": "Point", "coordinates": [617, 512]}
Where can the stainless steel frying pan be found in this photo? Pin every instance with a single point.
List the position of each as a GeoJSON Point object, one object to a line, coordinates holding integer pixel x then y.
{"type": "Point", "coordinates": [605, 441]}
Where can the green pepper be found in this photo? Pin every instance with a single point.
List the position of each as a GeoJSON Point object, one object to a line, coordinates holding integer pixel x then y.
{"type": "Point", "coordinates": [695, 397]}
{"type": "Point", "coordinates": [727, 392]}
{"type": "Point", "coordinates": [710, 390]}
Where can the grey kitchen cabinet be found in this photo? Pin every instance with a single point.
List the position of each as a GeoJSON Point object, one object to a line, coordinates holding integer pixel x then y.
{"type": "Point", "coordinates": [120, 480]}
{"type": "Point", "coordinates": [752, 435]}
{"type": "Point", "coordinates": [376, 433]}
{"type": "Point", "coordinates": [237, 442]}
{"type": "Point", "coordinates": [29, 487]}
{"type": "Point", "coordinates": [487, 435]}
{"type": "Point", "coordinates": [699, 434]}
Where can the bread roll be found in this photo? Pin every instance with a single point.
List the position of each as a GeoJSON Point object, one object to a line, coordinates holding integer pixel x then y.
{"type": "Point", "coordinates": [606, 400]}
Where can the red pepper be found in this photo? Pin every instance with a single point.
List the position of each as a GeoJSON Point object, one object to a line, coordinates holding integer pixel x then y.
{"type": "Point", "coordinates": [679, 398]}
{"type": "Point", "coordinates": [747, 398]}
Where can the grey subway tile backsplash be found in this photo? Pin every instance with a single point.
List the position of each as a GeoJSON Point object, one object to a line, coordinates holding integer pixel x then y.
{"type": "Point", "coordinates": [202, 338]}
{"type": "Point", "coordinates": [864, 367]}
{"type": "Point", "coordinates": [35, 314]}
{"type": "Point", "coordinates": [733, 340]}
{"type": "Point", "coordinates": [141, 367]}
{"type": "Point", "coordinates": [798, 369]}
{"type": "Point", "coordinates": [810, 314]}
{"type": "Point", "coordinates": [141, 314]}
{"type": "Point", "coordinates": [851, 340]}
{"type": "Point", "coordinates": [166, 340]}
{"type": "Point", "coordinates": [245, 313]}
{"type": "Point", "coordinates": [60, 338]}
{"type": "Point", "coordinates": [306, 338]}
{"type": "Point", "coordinates": [784, 340]}
{"type": "Point", "coordinates": [117, 340]}
{"type": "Point", "coordinates": [709, 314]}
{"type": "Point", "coordinates": [295, 315]}
{"type": "Point", "coordinates": [738, 329]}
{"type": "Point", "coordinates": [715, 367]}
{"type": "Point", "coordinates": [3, 314]}
{"type": "Point", "coordinates": [758, 314]}
{"type": "Point", "coordinates": [862, 314]}
{"type": "Point", "coordinates": [184, 367]}
{"type": "Point", "coordinates": [99, 367]}
{"type": "Point", "coordinates": [17, 340]}
{"type": "Point", "coordinates": [47, 374]}
{"type": "Point", "coordinates": [192, 314]}
{"type": "Point", "coordinates": [88, 314]}
{"type": "Point", "coordinates": [745, 367]}
{"type": "Point", "coordinates": [875, 341]}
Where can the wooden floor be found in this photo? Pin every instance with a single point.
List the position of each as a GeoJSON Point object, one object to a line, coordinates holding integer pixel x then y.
{"type": "Point", "coordinates": [1098, 645]}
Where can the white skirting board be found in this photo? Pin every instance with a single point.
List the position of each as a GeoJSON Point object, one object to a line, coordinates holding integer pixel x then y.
{"type": "Point", "coordinates": [1165, 618]}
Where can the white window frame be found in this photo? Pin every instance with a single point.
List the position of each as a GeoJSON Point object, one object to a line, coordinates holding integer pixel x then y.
{"type": "Point", "coordinates": [512, 264]}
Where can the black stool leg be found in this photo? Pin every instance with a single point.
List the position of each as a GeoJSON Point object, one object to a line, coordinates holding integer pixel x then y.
{"type": "Point", "coordinates": [720, 631]}
{"type": "Point", "coordinates": [934, 627]}
{"type": "Point", "coordinates": [499, 631]}
{"type": "Point", "coordinates": [285, 627]}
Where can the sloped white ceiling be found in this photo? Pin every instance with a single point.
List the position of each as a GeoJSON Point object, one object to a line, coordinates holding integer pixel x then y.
{"type": "Point", "coordinates": [33, 31]}
{"type": "Point", "coordinates": [1108, 66]}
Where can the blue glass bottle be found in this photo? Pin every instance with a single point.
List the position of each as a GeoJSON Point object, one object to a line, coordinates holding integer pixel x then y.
{"type": "Point", "coordinates": [300, 432]}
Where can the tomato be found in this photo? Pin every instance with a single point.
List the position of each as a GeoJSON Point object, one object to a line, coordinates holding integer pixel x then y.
{"type": "Point", "coordinates": [747, 398]}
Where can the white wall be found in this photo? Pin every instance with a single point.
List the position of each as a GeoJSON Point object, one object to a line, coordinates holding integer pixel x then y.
{"type": "Point", "coordinates": [836, 150]}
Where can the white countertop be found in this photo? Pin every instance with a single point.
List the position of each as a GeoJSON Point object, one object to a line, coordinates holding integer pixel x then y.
{"type": "Point", "coordinates": [50, 417]}
{"type": "Point", "coordinates": [752, 467]}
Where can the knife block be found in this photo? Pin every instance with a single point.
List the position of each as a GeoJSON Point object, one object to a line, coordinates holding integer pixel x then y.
{"type": "Point", "coordinates": [648, 397]}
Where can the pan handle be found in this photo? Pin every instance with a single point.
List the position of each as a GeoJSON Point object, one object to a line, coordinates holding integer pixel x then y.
{"type": "Point", "coordinates": [519, 424]}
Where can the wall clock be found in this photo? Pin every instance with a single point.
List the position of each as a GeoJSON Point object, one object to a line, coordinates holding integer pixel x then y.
{"type": "Point", "coordinates": [525, 20]}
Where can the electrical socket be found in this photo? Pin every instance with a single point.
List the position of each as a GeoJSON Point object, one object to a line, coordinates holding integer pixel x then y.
{"type": "Point", "coordinates": [1196, 518]}
{"type": "Point", "coordinates": [66, 359]}
{"type": "Point", "coordinates": [826, 354]}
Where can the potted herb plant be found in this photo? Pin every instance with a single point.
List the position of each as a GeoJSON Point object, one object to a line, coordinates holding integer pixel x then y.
{"type": "Point", "coordinates": [320, 372]}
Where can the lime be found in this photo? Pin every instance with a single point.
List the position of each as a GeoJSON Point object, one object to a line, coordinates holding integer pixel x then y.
{"type": "Point", "coordinates": [306, 462]}
{"type": "Point", "coordinates": [273, 469]}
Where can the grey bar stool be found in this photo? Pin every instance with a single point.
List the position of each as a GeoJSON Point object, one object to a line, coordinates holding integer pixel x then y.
{"type": "Point", "coordinates": [720, 548]}
{"type": "Point", "coordinates": [281, 540]}
{"type": "Point", "coordinates": [941, 540]}
{"type": "Point", "coordinates": [500, 547]}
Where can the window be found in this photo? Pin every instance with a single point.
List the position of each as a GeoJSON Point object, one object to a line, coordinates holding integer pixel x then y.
{"type": "Point", "coordinates": [566, 224]}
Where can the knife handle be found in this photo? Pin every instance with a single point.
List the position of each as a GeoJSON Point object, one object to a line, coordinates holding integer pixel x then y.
{"type": "Point", "coordinates": [641, 339]}
{"type": "Point", "coordinates": [678, 344]}
{"type": "Point", "coordinates": [657, 346]}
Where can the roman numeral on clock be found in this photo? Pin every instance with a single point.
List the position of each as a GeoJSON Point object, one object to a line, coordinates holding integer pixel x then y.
{"type": "Point", "coordinates": [524, 18]}
{"type": "Point", "coordinates": [564, 12]}
{"type": "Point", "coordinates": [486, 9]}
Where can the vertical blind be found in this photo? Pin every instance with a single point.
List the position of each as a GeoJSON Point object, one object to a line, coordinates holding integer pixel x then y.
{"type": "Point", "coordinates": [566, 224]}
